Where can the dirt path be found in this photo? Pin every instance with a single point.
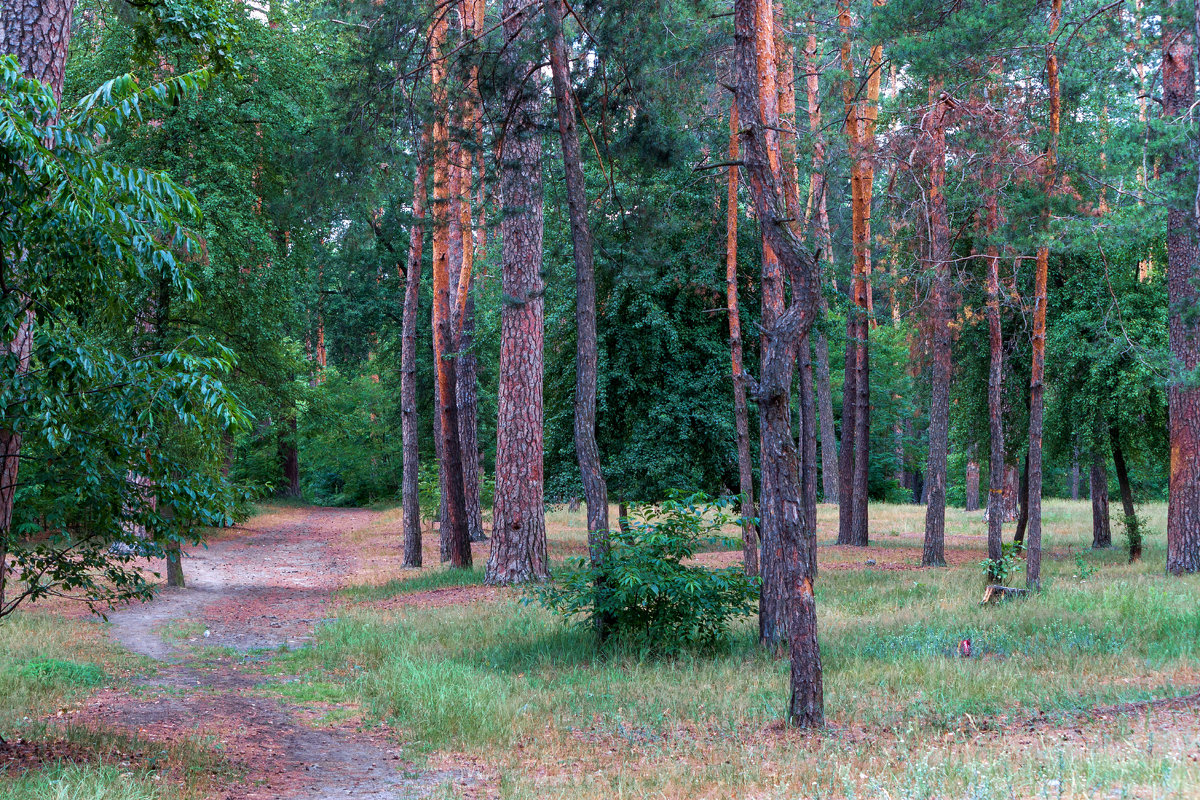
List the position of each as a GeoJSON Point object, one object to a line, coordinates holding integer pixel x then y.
{"type": "Point", "coordinates": [257, 591]}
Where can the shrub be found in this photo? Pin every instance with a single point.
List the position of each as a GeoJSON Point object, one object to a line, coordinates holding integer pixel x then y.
{"type": "Point", "coordinates": [645, 592]}
{"type": "Point", "coordinates": [53, 672]}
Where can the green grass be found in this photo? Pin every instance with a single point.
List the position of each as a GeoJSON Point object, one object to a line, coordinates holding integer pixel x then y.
{"type": "Point", "coordinates": [419, 582]}
{"type": "Point", "coordinates": [490, 678]}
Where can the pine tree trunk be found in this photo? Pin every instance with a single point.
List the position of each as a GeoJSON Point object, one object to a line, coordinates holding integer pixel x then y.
{"type": "Point", "coordinates": [934, 552]}
{"type": "Point", "coordinates": [820, 208]}
{"type": "Point", "coordinates": [862, 430]}
{"type": "Point", "coordinates": [1033, 561]}
{"type": "Point", "coordinates": [772, 609]}
{"type": "Point", "coordinates": [289, 458]}
{"type": "Point", "coordinates": [1012, 491]}
{"type": "Point", "coordinates": [1132, 527]}
{"type": "Point", "coordinates": [587, 452]}
{"type": "Point", "coordinates": [411, 489]}
{"type": "Point", "coordinates": [1183, 292]}
{"type": "Point", "coordinates": [808, 449]}
{"type": "Point", "coordinates": [740, 412]}
{"type": "Point", "coordinates": [1023, 506]}
{"type": "Point", "coordinates": [972, 486]}
{"type": "Point", "coordinates": [846, 455]}
{"type": "Point", "coordinates": [1101, 531]}
{"type": "Point", "coordinates": [519, 517]}
{"type": "Point", "coordinates": [782, 501]}
{"type": "Point", "coordinates": [455, 539]}
{"type": "Point", "coordinates": [467, 395]}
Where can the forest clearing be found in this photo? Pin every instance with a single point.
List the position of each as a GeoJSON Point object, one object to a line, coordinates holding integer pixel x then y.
{"type": "Point", "coordinates": [599, 398]}
{"type": "Point", "coordinates": [329, 670]}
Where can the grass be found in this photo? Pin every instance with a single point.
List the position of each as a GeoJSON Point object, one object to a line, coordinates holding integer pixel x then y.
{"type": "Point", "coordinates": [517, 687]}
{"type": "Point", "coordinates": [48, 664]}
{"type": "Point", "coordinates": [416, 582]}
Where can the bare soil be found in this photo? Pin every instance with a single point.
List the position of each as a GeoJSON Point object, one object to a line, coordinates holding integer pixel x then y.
{"type": "Point", "coordinates": [254, 591]}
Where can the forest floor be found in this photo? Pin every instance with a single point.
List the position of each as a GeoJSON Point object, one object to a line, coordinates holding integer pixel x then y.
{"type": "Point", "coordinates": [303, 661]}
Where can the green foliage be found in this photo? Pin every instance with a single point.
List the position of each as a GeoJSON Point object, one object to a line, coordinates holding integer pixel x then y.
{"type": "Point", "coordinates": [121, 428]}
{"type": "Point", "coordinates": [1008, 566]}
{"type": "Point", "coordinates": [643, 589]}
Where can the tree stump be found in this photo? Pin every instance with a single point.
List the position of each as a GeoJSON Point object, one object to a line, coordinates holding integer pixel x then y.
{"type": "Point", "coordinates": [996, 593]}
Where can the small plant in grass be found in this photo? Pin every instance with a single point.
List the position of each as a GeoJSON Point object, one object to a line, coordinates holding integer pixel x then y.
{"type": "Point", "coordinates": [644, 590]}
{"type": "Point", "coordinates": [1002, 570]}
{"type": "Point", "coordinates": [1083, 570]}
{"type": "Point", "coordinates": [1133, 537]}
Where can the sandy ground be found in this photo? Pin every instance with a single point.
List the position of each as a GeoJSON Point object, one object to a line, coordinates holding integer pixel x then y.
{"type": "Point", "coordinates": [253, 592]}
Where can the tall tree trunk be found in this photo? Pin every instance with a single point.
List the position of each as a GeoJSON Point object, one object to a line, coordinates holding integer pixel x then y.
{"type": "Point", "coordinates": [411, 489]}
{"type": "Point", "coordinates": [519, 518]}
{"type": "Point", "coordinates": [740, 412]}
{"type": "Point", "coordinates": [467, 395]}
{"type": "Point", "coordinates": [772, 608]}
{"type": "Point", "coordinates": [1183, 273]}
{"type": "Point", "coordinates": [455, 539]}
{"type": "Point", "coordinates": [860, 130]}
{"type": "Point", "coordinates": [1101, 532]}
{"type": "Point", "coordinates": [998, 469]}
{"type": "Point", "coordinates": [38, 33]}
{"type": "Point", "coordinates": [1033, 561]}
{"type": "Point", "coordinates": [595, 490]}
{"type": "Point", "coordinates": [466, 389]}
{"type": "Point", "coordinates": [782, 501]}
{"type": "Point", "coordinates": [934, 552]}
{"type": "Point", "coordinates": [790, 174]}
{"type": "Point", "coordinates": [972, 486]}
{"type": "Point", "coordinates": [1132, 525]}
{"type": "Point", "coordinates": [820, 209]}
{"type": "Point", "coordinates": [846, 454]}
{"type": "Point", "coordinates": [1023, 506]}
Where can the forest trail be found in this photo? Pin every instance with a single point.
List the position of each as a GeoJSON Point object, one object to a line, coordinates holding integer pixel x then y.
{"type": "Point", "coordinates": [262, 588]}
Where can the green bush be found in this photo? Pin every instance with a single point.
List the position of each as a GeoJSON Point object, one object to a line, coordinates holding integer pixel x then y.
{"type": "Point", "coordinates": [645, 592]}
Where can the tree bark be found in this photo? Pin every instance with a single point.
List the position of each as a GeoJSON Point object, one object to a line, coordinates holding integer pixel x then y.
{"type": "Point", "coordinates": [772, 609]}
{"type": "Point", "coordinates": [1183, 271]}
{"type": "Point", "coordinates": [289, 458]}
{"type": "Point", "coordinates": [587, 452]}
{"type": "Point", "coordinates": [455, 539]}
{"type": "Point", "coordinates": [519, 522]}
{"type": "Point", "coordinates": [740, 411]}
{"type": "Point", "coordinates": [38, 33]}
{"type": "Point", "coordinates": [782, 501]}
{"type": "Point", "coordinates": [1033, 560]}
{"type": "Point", "coordinates": [1023, 506]}
{"type": "Point", "coordinates": [410, 484]}
{"type": "Point", "coordinates": [467, 395]}
{"type": "Point", "coordinates": [1132, 526]}
{"type": "Point", "coordinates": [972, 486]}
{"type": "Point", "coordinates": [1101, 531]}
{"type": "Point", "coordinates": [934, 552]}
{"type": "Point", "coordinates": [820, 209]}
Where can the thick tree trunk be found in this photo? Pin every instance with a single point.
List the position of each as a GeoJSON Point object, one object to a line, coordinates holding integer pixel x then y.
{"type": "Point", "coordinates": [1132, 525]}
{"type": "Point", "coordinates": [411, 489]}
{"type": "Point", "coordinates": [519, 517]}
{"type": "Point", "coordinates": [1033, 561]}
{"type": "Point", "coordinates": [1012, 493]}
{"type": "Point", "coordinates": [740, 411]}
{"type": "Point", "coordinates": [999, 472]}
{"type": "Point", "coordinates": [782, 501]}
{"type": "Point", "coordinates": [1101, 531]}
{"type": "Point", "coordinates": [38, 33]}
{"type": "Point", "coordinates": [455, 539]}
{"type": "Point", "coordinates": [819, 208]}
{"type": "Point", "coordinates": [808, 448]}
{"type": "Point", "coordinates": [587, 452]}
{"type": "Point", "coordinates": [1183, 292]}
{"type": "Point", "coordinates": [934, 552]}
